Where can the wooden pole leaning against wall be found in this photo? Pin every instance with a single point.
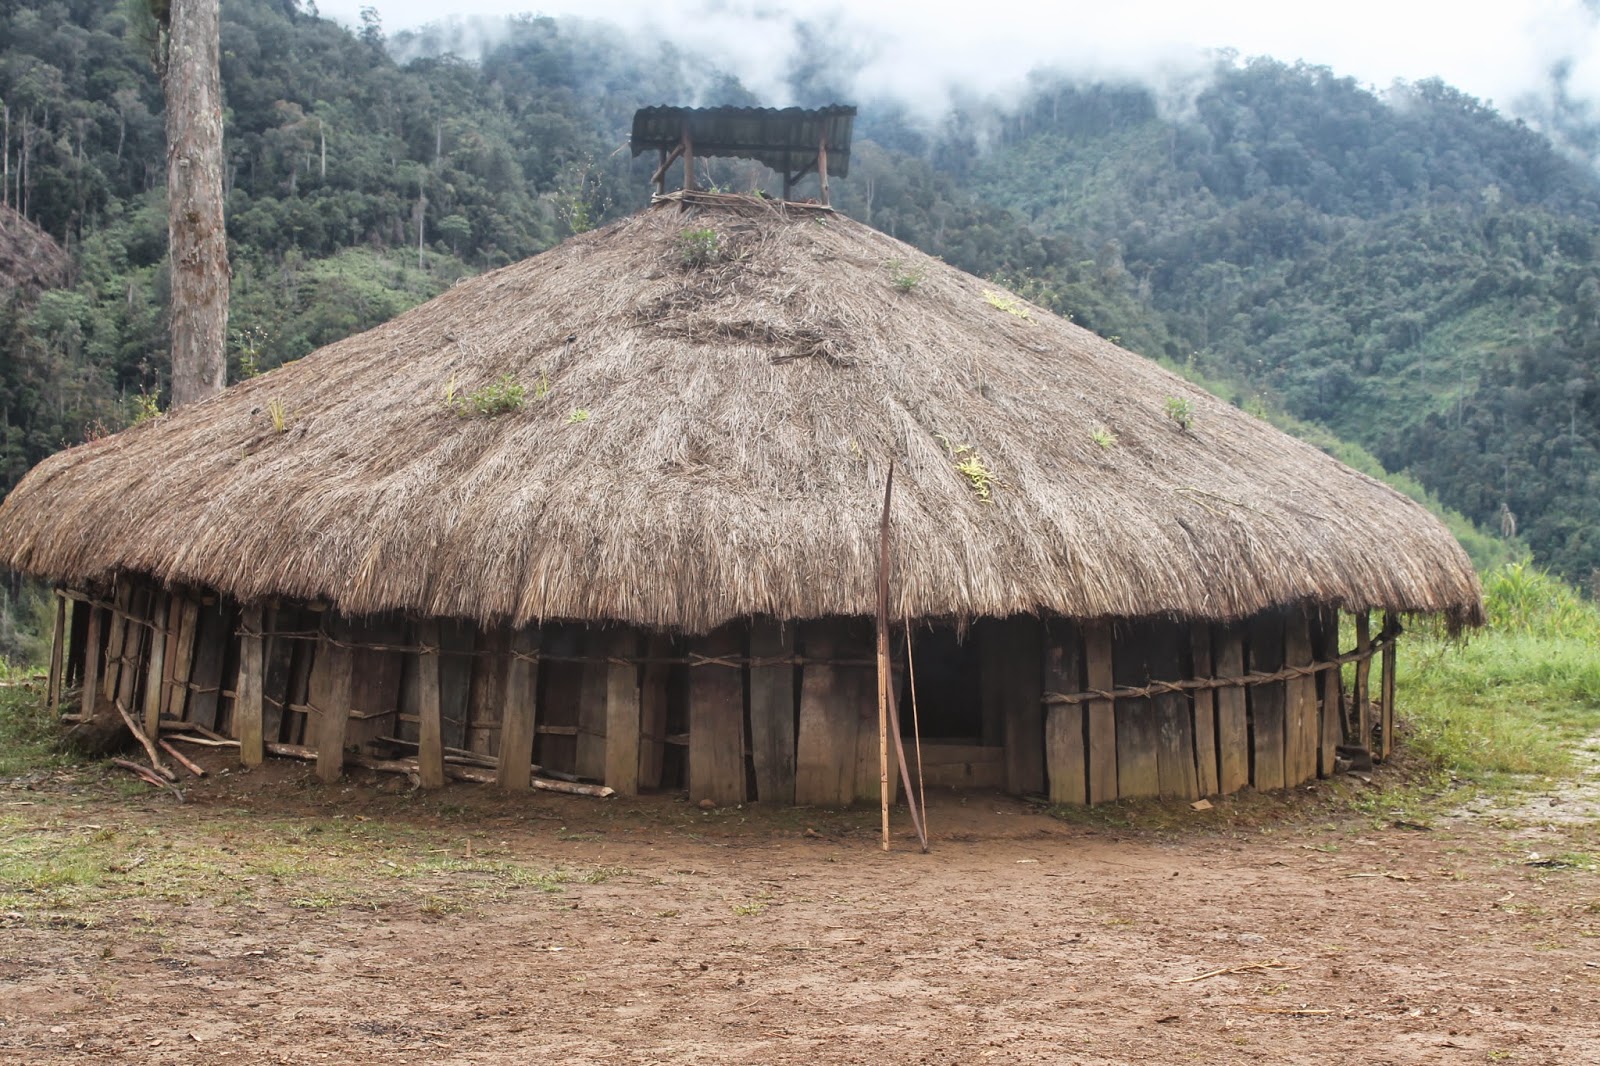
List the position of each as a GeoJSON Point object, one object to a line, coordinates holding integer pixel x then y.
{"type": "Point", "coordinates": [155, 669]}
{"type": "Point", "coordinates": [58, 641]}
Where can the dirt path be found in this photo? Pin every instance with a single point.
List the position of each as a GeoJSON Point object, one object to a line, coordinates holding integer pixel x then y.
{"type": "Point", "coordinates": [474, 929]}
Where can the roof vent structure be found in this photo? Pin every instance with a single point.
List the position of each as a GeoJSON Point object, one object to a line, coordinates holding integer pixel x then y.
{"type": "Point", "coordinates": [792, 141]}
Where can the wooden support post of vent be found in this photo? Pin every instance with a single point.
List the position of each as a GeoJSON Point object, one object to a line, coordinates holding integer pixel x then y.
{"type": "Point", "coordinates": [248, 705]}
{"type": "Point", "coordinates": [1363, 689]}
{"type": "Point", "coordinates": [688, 159]}
{"type": "Point", "coordinates": [623, 721]}
{"type": "Point", "coordinates": [1301, 727]}
{"type": "Point", "coordinates": [1205, 711]}
{"type": "Point", "coordinates": [1099, 669]}
{"type": "Point", "coordinates": [653, 712]}
{"type": "Point", "coordinates": [430, 725]}
{"type": "Point", "coordinates": [155, 669]}
{"type": "Point", "coordinates": [58, 640]}
{"type": "Point", "coordinates": [1330, 683]}
{"type": "Point", "coordinates": [1138, 732]}
{"type": "Point", "coordinates": [91, 664]}
{"type": "Point", "coordinates": [1267, 701]}
{"type": "Point", "coordinates": [1391, 631]}
{"type": "Point", "coordinates": [822, 166]}
{"type": "Point", "coordinates": [716, 720]}
{"type": "Point", "coordinates": [1233, 718]}
{"type": "Point", "coordinates": [772, 711]}
{"type": "Point", "coordinates": [519, 714]}
{"type": "Point", "coordinates": [330, 693]}
{"type": "Point", "coordinates": [1065, 725]}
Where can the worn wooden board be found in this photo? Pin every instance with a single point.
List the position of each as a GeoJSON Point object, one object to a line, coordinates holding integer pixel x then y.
{"type": "Point", "coordinates": [1138, 729]}
{"type": "Point", "coordinates": [1100, 676]}
{"type": "Point", "coordinates": [155, 668]}
{"type": "Point", "coordinates": [1363, 690]}
{"type": "Point", "coordinates": [375, 679]}
{"type": "Point", "coordinates": [562, 688]}
{"type": "Point", "coordinates": [134, 636]}
{"type": "Point", "coordinates": [825, 753]}
{"type": "Point", "coordinates": [430, 723]}
{"type": "Point", "coordinates": [1330, 692]}
{"type": "Point", "coordinates": [330, 695]}
{"type": "Point", "coordinates": [1066, 732]}
{"type": "Point", "coordinates": [487, 694]}
{"type": "Point", "coordinates": [1302, 729]}
{"type": "Point", "coordinates": [772, 712]}
{"type": "Point", "coordinates": [623, 722]}
{"type": "Point", "coordinates": [1268, 702]}
{"type": "Point", "coordinates": [716, 719]}
{"type": "Point", "coordinates": [249, 706]}
{"type": "Point", "coordinates": [58, 641]}
{"type": "Point", "coordinates": [116, 626]}
{"type": "Point", "coordinates": [210, 649]}
{"type": "Point", "coordinates": [592, 706]}
{"type": "Point", "coordinates": [519, 714]}
{"type": "Point", "coordinates": [1233, 715]}
{"type": "Point", "coordinates": [458, 640]}
{"type": "Point", "coordinates": [91, 664]}
{"type": "Point", "coordinates": [1205, 710]}
{"type": "Point", "coordinates": [653, 697]}
{"type": "Point", "coordinates": [1174, 717]}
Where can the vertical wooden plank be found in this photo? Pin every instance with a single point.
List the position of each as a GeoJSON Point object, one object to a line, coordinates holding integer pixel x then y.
{"type": "Point", "coordinates": [825, 752]}
{"type": "Point", "coordinates": [653, 695]}
{"type": "Point", "coordinates": [330, 695]}
{"type": "Point", "coordinates": [772, 711]}
{"type": "Point", "coordinates": [91, 664]}
{"type": "Point", "coordinates": [1138, 731]}
{"type": "Point", "coordinates": [430, 726]}
{"type": "Point", "coordinates": [77, 631]}
{"type": "Point", "coordinates": [1301, 728]}
{"type": "Point", "coordinates": [58, 640]}
{"type": "Point", "coordinates": [134, 636]}
{"type": "Point", "coordinates": [1175, 760]}
{"type": "Point", "coordinates": [277, 658]}
{"type": "Point", "coordinates": [183, 662]}
{"type": "Point", "coordinates": [248, 709]}
{"type": "Point", "coordinates": [623, 713]}
{"type": "Point", "coordinates": [1205, 708]}
{"type": "Point", "coordinates": [1391, 629]}
{"type": "Point", "coordinates": [562, 682]}
{"type": "Point", "coordinates": [205, 677]}
{"type": "Point", "coordinates": [1233, 716]}
{"type": "Point", "coordinates": [1363, 693]}
{"type": "Point", "coordinates": [1066, 724]}
{"type": "Point", "coordinates": [457, 642]}
{"type": "Point", "coordinates": [592, 706]}
{"type": "Point", "coordinates": [1023, 711]}
{"type": "Point", "coordinates": [1330, 686]}
{"type": "Point", "coordinates": [1100, 675]}
{"type": "Point", "coordinates": [520, 712]}
{"type": "Point", "coordinates": [115, 629]}
{"type": "Point", "coordinates": [156, 668]}
{"type": "Point", "coordinates": [374, 679]}
{"type": "Point", "coordinates": [716, 719]}
{"type": "Point", "coordinates": [487, 693]}
{"type": "Point", "coordinates": [1267, 701]}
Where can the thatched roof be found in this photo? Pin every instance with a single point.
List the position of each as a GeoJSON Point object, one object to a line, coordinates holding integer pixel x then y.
{"type": "Point", "coordinates": [30, 259]}
{"type": "Point", "coordinates": [714, 444]}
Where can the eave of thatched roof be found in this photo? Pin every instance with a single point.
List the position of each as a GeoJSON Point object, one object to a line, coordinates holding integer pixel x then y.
{"type": "Point", "coordinates": [714, 443]}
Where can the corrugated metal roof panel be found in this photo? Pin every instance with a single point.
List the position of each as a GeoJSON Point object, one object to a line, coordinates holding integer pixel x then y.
{"type": "Point", "coordinates": [784, 139]}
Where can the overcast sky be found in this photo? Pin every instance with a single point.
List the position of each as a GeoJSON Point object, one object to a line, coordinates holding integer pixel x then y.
{"type": "Point", "coordinates": [1498, 51]}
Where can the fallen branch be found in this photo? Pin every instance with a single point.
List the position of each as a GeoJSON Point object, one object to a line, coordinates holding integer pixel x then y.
{"type": "Point", "coordinates": [194, 768]}
{"type": "Point", "coordinates": [145, 774]}
{"type": "Point", "coordinates": [477, 774]}
{"type": "Point", "coordinates": [1298, 1012]}
{"type": "Point", "coordinates": [150, 749]}
{"type": "Point", "coordinates": [204, 742]}
{"type": "Point", "coordinates": [1248, 967]}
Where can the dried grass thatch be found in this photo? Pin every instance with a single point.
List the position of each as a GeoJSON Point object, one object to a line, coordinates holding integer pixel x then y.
{"type": "Point", "coordinates": [714, 443]}
{"type": "Point", "coordinates": [30, 259]}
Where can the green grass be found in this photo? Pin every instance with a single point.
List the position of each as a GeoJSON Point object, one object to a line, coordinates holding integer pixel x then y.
{"type": "Point", "coordinates": [28, 731]}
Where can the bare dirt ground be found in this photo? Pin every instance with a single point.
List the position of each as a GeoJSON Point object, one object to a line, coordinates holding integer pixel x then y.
{"type": "Point", "coordinates": [269, 920]}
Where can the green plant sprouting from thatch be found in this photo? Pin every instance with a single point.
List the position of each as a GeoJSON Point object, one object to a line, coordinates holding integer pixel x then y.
{"type": "Point", "coordinates": [146, 406]}
{"type": "Point", "coordinates": [699, 247]}
{"type": "Point", "coordinates": [1009, 304]}
{"type": "Point", "coordinates": [905, 276]}
{"type": "Point", "coordinates": [579, 414]}
{"type": "Point", "coordinates": [1181, 411]}
{"type": "Point", "coordinates": [279, 415]}
{"type": "Point", "coordinates": [1103, 436]}
{"type": "Point", "coordinates": [507, 394]}
{"type": "Point", "coordinates": [970, 465]}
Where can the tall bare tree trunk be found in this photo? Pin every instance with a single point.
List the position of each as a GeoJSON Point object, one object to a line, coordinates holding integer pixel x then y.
{"type": "Point", "coordinates": [198, 241]}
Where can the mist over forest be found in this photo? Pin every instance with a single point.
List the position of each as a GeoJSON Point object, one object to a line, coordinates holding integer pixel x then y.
{"type": "Point", "coordinates": [1408, 278]}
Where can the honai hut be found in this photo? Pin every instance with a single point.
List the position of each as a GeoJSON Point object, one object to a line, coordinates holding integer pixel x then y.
{"type": "Point", "coordinates": [612, 514]}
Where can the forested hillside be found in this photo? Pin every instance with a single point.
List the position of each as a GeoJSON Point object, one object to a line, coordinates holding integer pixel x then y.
{"type": "Point", "coordinates": [1416, 274]}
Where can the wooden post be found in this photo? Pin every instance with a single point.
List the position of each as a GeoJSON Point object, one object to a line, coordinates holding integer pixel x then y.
{"type": "Point", "coordinates": [592, 705]}
{"type": "Point", "coordinates": [1233, 718]}
{"type": "Point", "coordinates": [252, 671]}
{"type": "Point", "coordinates": [58, 641]}
{"type": "Point", "coordinates": [1301, 727]}
{"type": "Point", "coordinates": [155, 674]}
{"type": "Point", "coordinates": [688, 160]}
{"type": "Point", "coordinates": [825, 755]}
{"type": "Point", "coordinates": [430, 725]}
{"type": "Point", "coordinates": [91, 664]}
{"type": "Point", "coordinates": [1205, 708]}
{"type": "Point", "coordinates": [1267, 711]}
{"type": "Point", "coordinates": [822, 164]}
{"type": "Point", "coordinates": [1330, 683]}
{"type": "Point", "coordinates": [772, 717]}
{"type": "Point", "coordinates": [1391, 630]}
{"type": "Point", "coordinates": [183, 662]}
{"type": "Point", "coordinates": [1174, 718]}
{"type": "Point", "coordinates": [1138, 731]}
{"type": "Point", "coordinates": [1065, 724]}
{"type": "Point", "coordinates": [653, 715]}
{"type": "Point", "coordinates": [1099, 669]}
{"type": "Point", "coordinates": [623, 721]}
{"type": "Point", "coordinates": [519, 717]}
{"type": "Point", "coordinates": [659, 178]}
{"type": "Point", "coordinates": [330, 693]}
{"type": "Point", "coordinates": [1363, 694]}
{"type": "Point", "coordinates": [716, 720]}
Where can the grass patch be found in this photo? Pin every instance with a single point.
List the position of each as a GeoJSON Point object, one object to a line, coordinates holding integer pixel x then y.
{"type": "Point", "coordinates": [29, 733]}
